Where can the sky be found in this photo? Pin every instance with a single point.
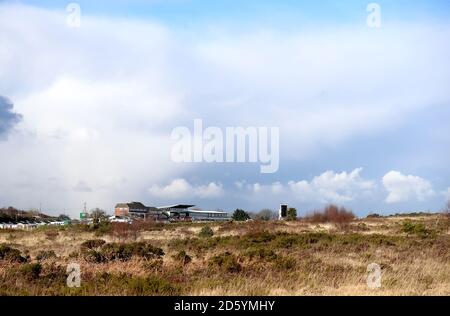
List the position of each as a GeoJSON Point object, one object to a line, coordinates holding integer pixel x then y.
{"type": "Point", "coordinates": [87, 112]}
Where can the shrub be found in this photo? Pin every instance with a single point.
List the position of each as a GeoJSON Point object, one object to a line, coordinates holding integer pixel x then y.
{"type": "Point", "coordinates": [291, 214]}
{"type": "Point", "coordinates": [31, 270]}
{"type": "Point", "coordinates": [285, 263]}
{"type": "Point", "coordinates": [331, 214]}
{"type": "Point", "coordinates": [94, 256]}
{"type": "Point", "coordinates": [154, 265]}
{"type": "Point", "coordinates": [93, 243]}
{"type": "Point", "coordinates": [8, 253]}
{"type": "Point", "coordinates": [123, 251]}
{"type": "Point", "coordinates": [146, 250]}
{"type": "Point", "coordinates": [102, 228]}
{"type": "Point", "coordinates": [240, 215]}
{"type": "Point", "coordinates": [51, 234]}
{"type": "Point", "coordinates": [182, 257]}
{"type": "Point", "coordinates": [45, 254]}
{"type": "Point", "coordinates": [226, 262]}
{"type": "Point", "coordinates": [205, 232]}
{"type": "Point", "coordinates": [261, 254]}
{"type": "Point", "coordinates": [409, 227]}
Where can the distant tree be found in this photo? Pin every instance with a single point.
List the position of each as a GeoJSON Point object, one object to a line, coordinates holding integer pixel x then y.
{"type": "Point", "coordinates": [97, 215]}
{"type": "Point", "coordinates": [265, 215]}
{"type": "Point", "coordinates": [63, 217]}
{"type": "Point", "coordinates": [292, 214]}
{"type": "Point", "coordinates": [240, 215]}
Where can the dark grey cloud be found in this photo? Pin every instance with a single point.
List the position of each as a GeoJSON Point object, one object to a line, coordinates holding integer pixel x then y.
{"type": "Point", "coordinates": [8, 118]}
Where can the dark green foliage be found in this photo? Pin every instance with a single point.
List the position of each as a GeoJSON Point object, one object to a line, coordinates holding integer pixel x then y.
{"type": "Point", "coordinates": [94, 256]}
{"type": "Point", "coordinates": [45, 254]}
{"type": "Point", "coordinates": [31, 270]}
{"type": "Point", "coordinates": [226, 262]}
{"type": "Point", "coordinates": [93, 243]}
{"type": "Point", "coordinates": [291, 214]}
{"type": "Point", "coordinates": [261, 254]}
{"type": "Point", "coordinates": [205, 232]}
{"type": "Point", "coordinates": [240, 215]}
{"type": "Point", "coordinates": [10, 254]}
{"type": "Point", "coordinates": [285, 263]}
{"type": "Point", "coordinates": [102, 228]}
{"type": "Point", "coordinates": [182, 257]}
{"type": "Point", "coordinates": [123, 252]}
{"type": "Point", "coordinates": [415, 229]}
{"type": "Point", "coordinates": [141, 286]}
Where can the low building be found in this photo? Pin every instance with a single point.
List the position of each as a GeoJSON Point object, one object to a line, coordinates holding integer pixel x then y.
{"type": "Point", "coordinates": [173, 213]}
{"type": "Point", "coordinates": [183, 213]}
{"type": "Point", "coordinates": [136, 210]}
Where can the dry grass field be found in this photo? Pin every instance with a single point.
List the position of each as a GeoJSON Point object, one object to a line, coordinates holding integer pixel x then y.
{"type": "Point", "coordinates": [240, 258]}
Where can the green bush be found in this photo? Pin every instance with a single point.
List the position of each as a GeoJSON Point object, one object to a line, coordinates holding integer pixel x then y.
{"type": "Point", "coordinates": [123, 252]}
{"type": "Point", "coordinates": [285, 263]}
{"type": "Point", "coordinates": [93, 243]}
{"type": "Point", "coordinates": [182, 257]}
{"type": "Point", "coordinates": [226, 262]}
{"type": "Point", "coordinates": [45, 254]}
{"type": "Point", "coordinates": [206, 232]}
{"type": "Point", "coordinates": [8, 253]}
{"type": "Point", "coordinates": [415, 229]}
{"type": "Point", "coordinates": [291, 214]}
{"type": "Point", "coordinates": [94, 256]}
{"type": "Point", "coordinates": [261, 254]}
{"type": "Point", "coordinates": [102, 228]}
{"type": "Point", "coordinates": [240, 215]}
{"type": "Point", "coordinates": [31, 270]}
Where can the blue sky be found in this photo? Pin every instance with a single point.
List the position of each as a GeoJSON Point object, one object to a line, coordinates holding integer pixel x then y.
{"type": "Point", "coordinates": [363, 112]}
{"type": "Point", "coordinates": [173, 11]}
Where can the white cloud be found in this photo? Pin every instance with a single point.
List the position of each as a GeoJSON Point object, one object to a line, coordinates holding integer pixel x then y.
{"type": "Point", "coordinates": [403, 188]}
{"type": "Point", "coordinates": [334, 187]}
{"type": "Point", "coordinates": [277, 187]}
{"type": "Point", "coordinates": [181, 188]}
{"type": "Point", "coordinates": [212, 190]}
{"type": "Point", "coordinates": [328, 187]}
{"type": "Point", "coordinates": [99, 101]}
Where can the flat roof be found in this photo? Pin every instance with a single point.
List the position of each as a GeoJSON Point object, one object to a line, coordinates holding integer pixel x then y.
{"type": "Point", "coordinates": [203, 212]}
{"type": "Point", "coordinates": [176, 206]}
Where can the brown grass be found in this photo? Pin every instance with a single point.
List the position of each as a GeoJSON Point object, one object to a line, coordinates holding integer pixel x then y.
{"type": "Point", "coordinates": [250, 258]}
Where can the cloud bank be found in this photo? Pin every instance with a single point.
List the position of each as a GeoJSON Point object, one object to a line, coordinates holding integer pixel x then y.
{"type": "Point", "coordinates": [181, 188]}
{"type": "Point", "coordinates": [99, 103]}
{"type": "Point", "coordinates": [8, 118]}
{"type": "Point", "coordinates": [406, 187]}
